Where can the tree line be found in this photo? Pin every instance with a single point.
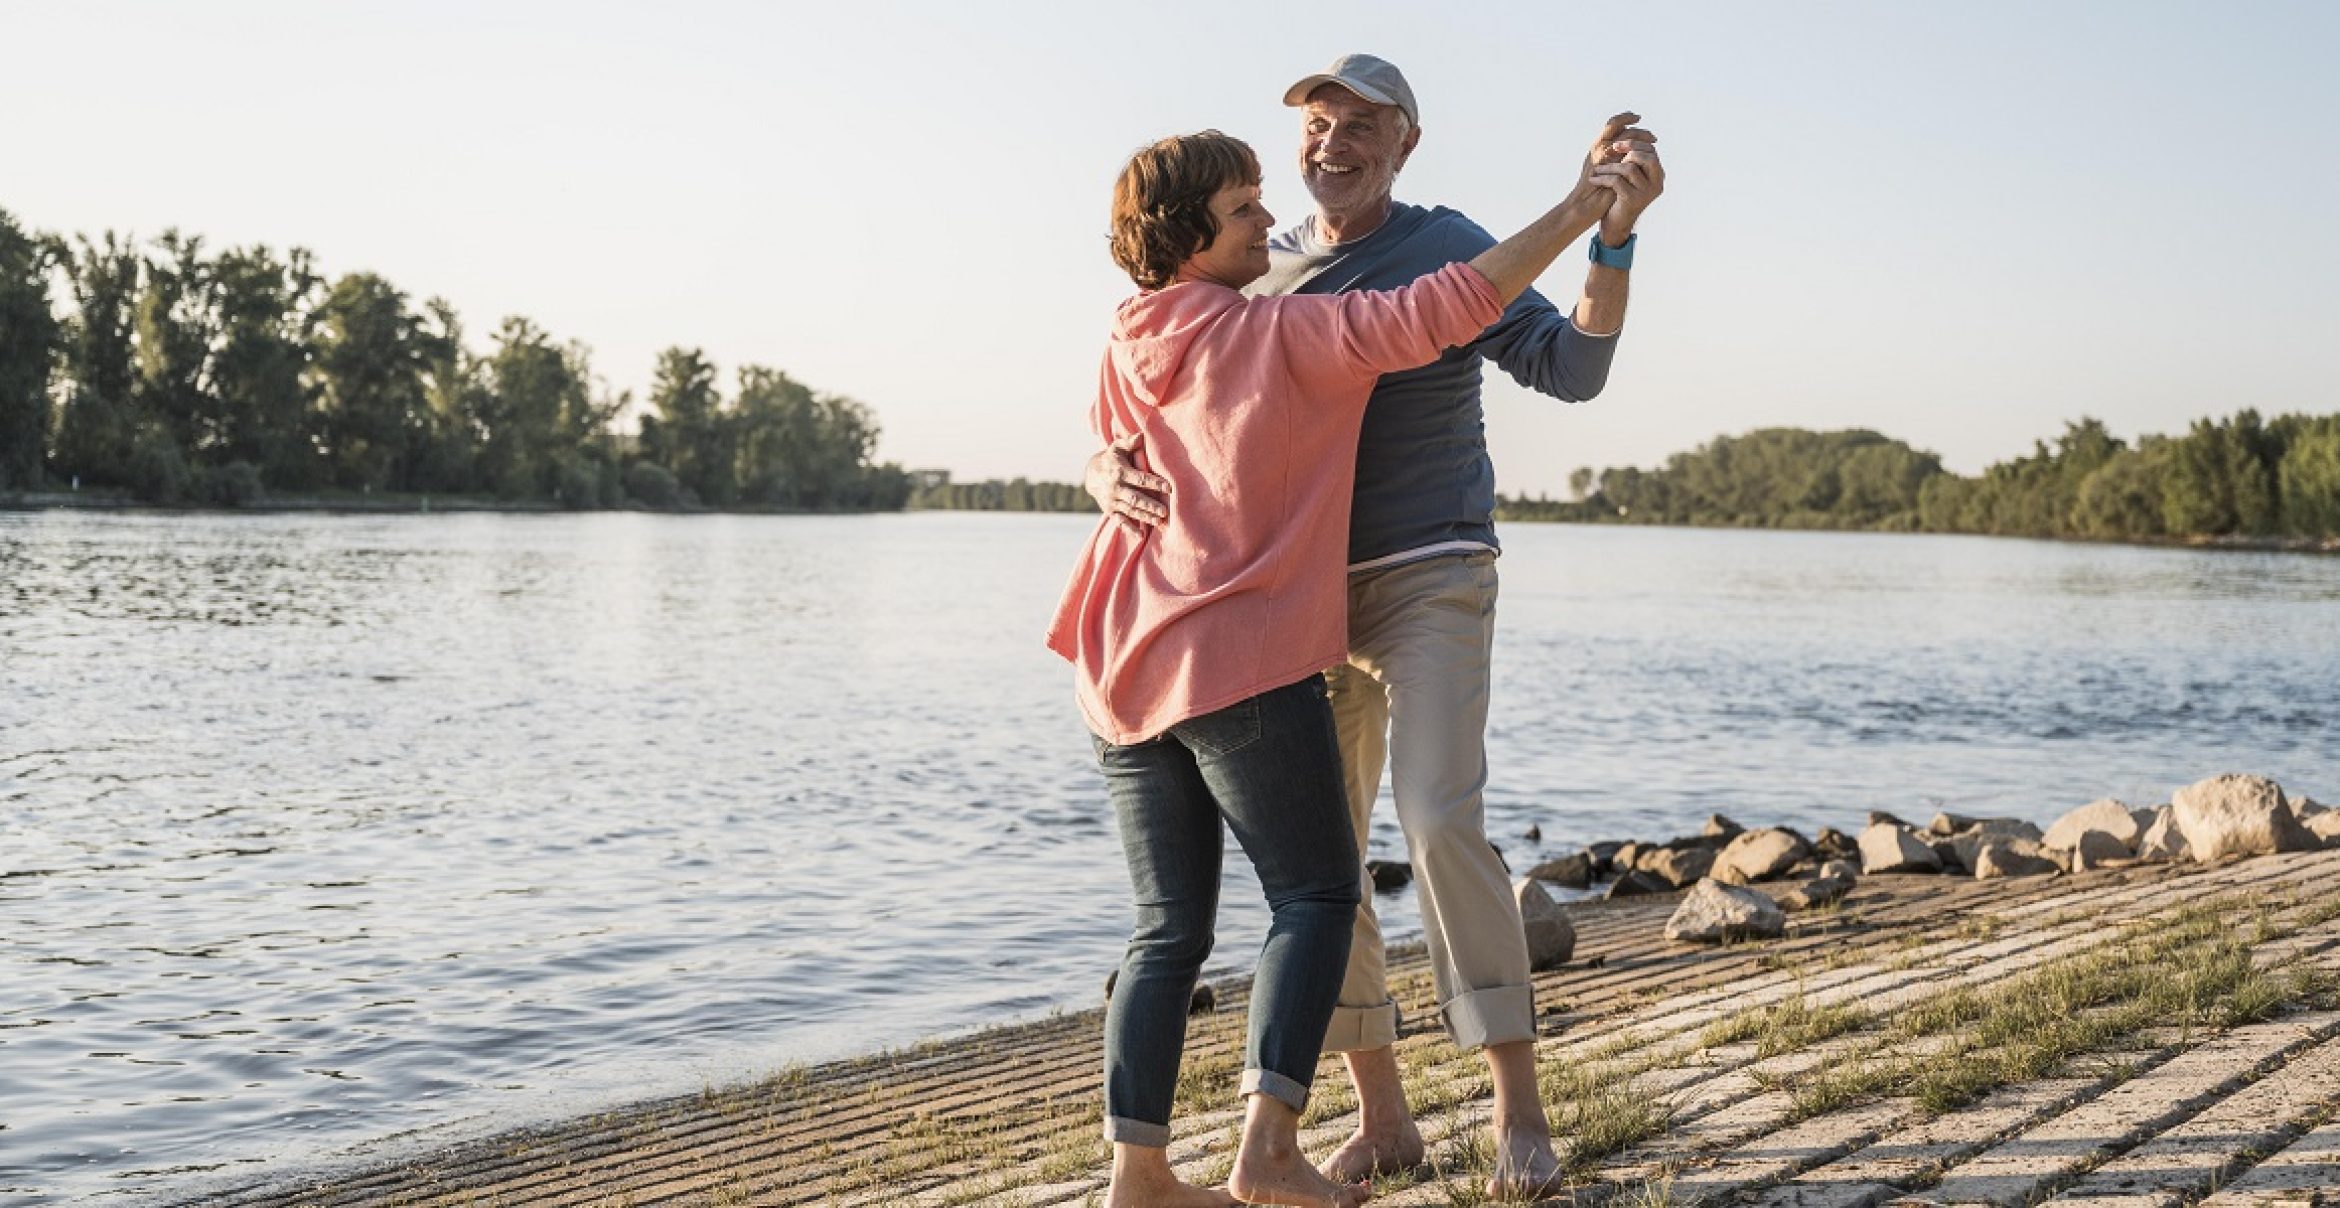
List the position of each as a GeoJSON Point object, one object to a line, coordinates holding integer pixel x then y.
{"type": "Point", "coordinates": [2238, 477]}
{"type": "Point", "coordinates": [180, 374]}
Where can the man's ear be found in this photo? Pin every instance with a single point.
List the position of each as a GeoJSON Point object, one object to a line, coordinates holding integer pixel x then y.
{"type": "Point", "coordinates": [1406, 150]}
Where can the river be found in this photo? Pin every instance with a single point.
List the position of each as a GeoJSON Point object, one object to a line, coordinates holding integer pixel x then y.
{"type": "Point", "coordinates": [321, 836]}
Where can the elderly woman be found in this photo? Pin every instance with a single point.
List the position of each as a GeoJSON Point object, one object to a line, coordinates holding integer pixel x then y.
{"type": "Point", "coordinates": [1198, 645]}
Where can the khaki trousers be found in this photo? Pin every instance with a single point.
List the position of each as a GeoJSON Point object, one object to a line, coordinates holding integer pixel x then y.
{"type": "Point", "coordinates": [1414, 696]}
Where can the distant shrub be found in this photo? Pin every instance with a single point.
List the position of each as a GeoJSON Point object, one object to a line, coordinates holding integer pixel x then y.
{"type": "Point", "coordinates": [232, 485]}
{"type": "Point", "coordinates": [653, 484]}
{"type": "Point", "coordinates": [579, 484]}
{"type": "Point", "coordinates": [157, 471]}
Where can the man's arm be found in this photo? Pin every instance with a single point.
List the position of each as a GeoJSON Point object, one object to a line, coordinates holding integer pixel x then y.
{"type": "Point", "coordinates": [1569, 358]}
{"type": "Point", "coordinates": [1601, 311]}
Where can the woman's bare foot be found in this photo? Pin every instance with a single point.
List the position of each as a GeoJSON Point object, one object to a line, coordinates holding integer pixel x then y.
{"type": "Point", "coordinates": [1142, 1178]}
{"type": "Point", "coordinates": [1270, 1169]}
{"type": "Point", "coordinates": [1525, 1166]}
{"type": "Point", "coordinates": [1392, 1150]}
{"type": "Point", "coordinates": [1287, 1178]}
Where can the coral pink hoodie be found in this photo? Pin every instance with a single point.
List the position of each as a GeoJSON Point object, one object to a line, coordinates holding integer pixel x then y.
{"type": "Point", "coordinates": [1250, 407]}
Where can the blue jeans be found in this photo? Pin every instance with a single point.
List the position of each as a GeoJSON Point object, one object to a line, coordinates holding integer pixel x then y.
{"type": "Point", "coordinates": [1270, 766]}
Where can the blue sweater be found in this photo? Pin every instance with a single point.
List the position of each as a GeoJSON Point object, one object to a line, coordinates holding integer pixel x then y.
{"type": "Point", "coordinates": [1423, 475]}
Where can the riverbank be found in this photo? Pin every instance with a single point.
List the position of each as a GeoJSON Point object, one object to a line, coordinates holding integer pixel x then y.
{"type": "Point", "coordinates": [1890, 1046]}
{"type": "Point", "coordinates": [425, 504]}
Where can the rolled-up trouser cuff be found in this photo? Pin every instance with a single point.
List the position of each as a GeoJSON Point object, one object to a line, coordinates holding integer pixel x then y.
{"type": "Point", "coordinates": [1497, 1015]}
{"type": "Point", "coordinates": [1137, 1132]}
{"type": "Point", "coordinates": [1292, 1094]}
{"type": "Point", "coordinates": [1359, 1029]}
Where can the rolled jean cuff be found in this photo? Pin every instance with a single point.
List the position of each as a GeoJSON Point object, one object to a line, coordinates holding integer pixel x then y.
{"type": "Point", "coordinates": [1496, 1015]}
{"type": "Point", "coordinates": [1126, 1131]}
{"type": "Point", "coordinates": [1360, 1029]}
{"type": "Point", "coordinates": [1292, 1094]}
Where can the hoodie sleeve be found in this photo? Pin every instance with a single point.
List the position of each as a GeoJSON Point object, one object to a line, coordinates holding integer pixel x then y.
{"type": "Point", "coordinates": [1365, 334]}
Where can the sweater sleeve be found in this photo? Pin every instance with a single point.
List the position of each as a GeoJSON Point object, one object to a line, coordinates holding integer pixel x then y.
{"type": "Point", "coordinates": [1367, 333]}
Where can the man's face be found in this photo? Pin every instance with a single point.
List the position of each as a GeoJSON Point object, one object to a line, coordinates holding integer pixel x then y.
{"type": "Point", "coordinates": [1351, 149]}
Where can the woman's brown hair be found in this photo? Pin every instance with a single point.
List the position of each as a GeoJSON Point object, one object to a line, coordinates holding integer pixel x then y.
{"type": "Point", "coordinates": [1162, 202]}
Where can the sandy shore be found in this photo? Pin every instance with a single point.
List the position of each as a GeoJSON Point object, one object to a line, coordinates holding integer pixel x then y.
{"type": "Point", "coordinates": [1850, 1063]}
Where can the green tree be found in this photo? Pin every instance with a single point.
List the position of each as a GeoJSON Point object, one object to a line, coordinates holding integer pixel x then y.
{"type": "Point", "coordinates": [2310, 480]}
{"type": "Point", "coordinates": [176, 325]}
{"type": "Point", "coordinates": [537, 411]}
{"type": "Point", "coordinates": [28, 351]}
{"type": "Point", "coordinates": [688, 431]}
{"type": "Point", "coordinates": [375, 358]}
{"type": "Point", "coordinates": [265, 411]}
{"type": "Point", "coordinates": [98, 414]}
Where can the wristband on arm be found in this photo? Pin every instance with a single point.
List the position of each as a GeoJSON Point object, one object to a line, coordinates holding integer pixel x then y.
{"type": "Point", "coordinates": [1619, 257]}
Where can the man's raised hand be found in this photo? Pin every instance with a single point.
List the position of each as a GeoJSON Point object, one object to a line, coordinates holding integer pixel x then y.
{"type": "Point", "coordinates": [1624, 160]}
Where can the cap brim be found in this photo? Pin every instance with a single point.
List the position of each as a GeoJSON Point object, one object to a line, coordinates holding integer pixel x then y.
{"type": "Point", "coordinates": [1297, 94]}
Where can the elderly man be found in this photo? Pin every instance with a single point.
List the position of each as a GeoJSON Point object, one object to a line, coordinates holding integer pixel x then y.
{"type": "Point", "coordinates": [1422, 591]}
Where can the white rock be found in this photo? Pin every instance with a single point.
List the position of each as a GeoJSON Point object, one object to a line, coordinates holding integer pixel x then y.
{"type": "Point", "coordinates": [1680, 866]}
{"type": "Point", "coordinates": [2107, 815]}
{"type": "Point", "coordinates": [1841, 870]}
{"type": "Point", "coordinates": [1894, 847]}
{"type": "Point", "coordinates": [2097, 849]}
{"type": "Point", "coordinates": [1713, 912]}
{"type": "Point", "coordinates": [2012, 856]}
{"type": "Point", "coordinates": [2235, 815]}
{"type": "Point", "coordinates": [2325, 826]}
{"type": "Point", "coordinates": [1551, 938]}
{"type": "Point", "coordinates": [1759, 855]}
{"type": "Point", "coordinates": [2163, 840]}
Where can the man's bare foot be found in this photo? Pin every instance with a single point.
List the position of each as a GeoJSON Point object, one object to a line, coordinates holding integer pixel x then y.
{"type": "Point", "coordinates": [1525, 1166]}
{"type": "Point", "coordinates": [1380, 1151]}
{"type": "Point", "coordinates": [1276, 1174]}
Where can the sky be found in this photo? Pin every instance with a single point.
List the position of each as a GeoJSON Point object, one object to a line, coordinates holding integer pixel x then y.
{"type": "Point", "coordinates": [1958, 224]}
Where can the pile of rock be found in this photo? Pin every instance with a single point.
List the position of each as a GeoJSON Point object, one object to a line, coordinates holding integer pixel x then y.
{"type": "Point", "coordinates": [2224, 816]}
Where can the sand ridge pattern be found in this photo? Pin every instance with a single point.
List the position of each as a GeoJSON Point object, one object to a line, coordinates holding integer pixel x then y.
{"type": "Point", "coordinates": [2147, 1036]}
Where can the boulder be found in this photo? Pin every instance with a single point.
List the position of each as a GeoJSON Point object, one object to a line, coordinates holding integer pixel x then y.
{"type": "Point", "coordinates": [1714, 912]}
{"type": "Point", "coordinates": [1759, 855]}
{"type": "Point", "coordinates": [1719, 827]}
{"type": "Point", "coordinates": [1894, 847]}
{"type": "Point", "coordinates": [1968, 843]}
{"type": "Point", "coordinates": [1551, 939]}
{"type": "Point", "coordinates": [1569, 872]}
{"type": "Point", "coordinates": [1681, 867]}
{"type": "Point", "coordinates": [1627, 857]}
{"type": "Point", "coordinates": [1878, 817]}
{"type": "Point", "coordinates": [2236, 815]}
{"type": "Point", "coordinates": [1603, 853]}
{"type": "Point", "coordinates": [2011, 856]}
{"type": "Point", "coordinates": [1846, 870]}
{"type": "Point", "coordinates": [2107, 815]}
{"type": "Point", "coordinates": [1389, 876]}
{"type": "Point", "coordinates": [1819, 891]}
{"type": "Point", "coordinates": [1634, 882]}
{"type": "Point", "coordinates": [2162, 839]}
{"type": "Point", "coordinates": [1835, 844]}
{"type": "Point", "coordinates": [2304, 808]}
{"type": "Point", "coordinates": [2098, 849]}
{"type": "Point", "coordinates": [2325, 826]}
{"type": "Point", "coordinates": [1945, 850]}
{"type": "Point", "coordinates": [1946, 824]}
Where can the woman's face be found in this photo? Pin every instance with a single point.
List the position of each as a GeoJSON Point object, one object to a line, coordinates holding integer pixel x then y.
{"type": "Point", "coordinates": [1239, 255]}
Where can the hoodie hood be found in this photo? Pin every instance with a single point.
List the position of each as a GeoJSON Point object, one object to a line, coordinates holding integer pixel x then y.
{"type": "Point", "coordinates": [1153, 331]}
